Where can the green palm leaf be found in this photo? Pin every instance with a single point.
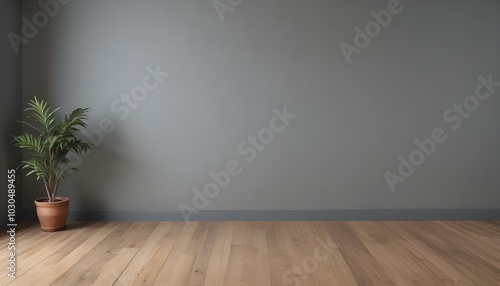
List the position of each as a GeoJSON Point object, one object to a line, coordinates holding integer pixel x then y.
{"type": "Point", "coordinates": [52, 143]}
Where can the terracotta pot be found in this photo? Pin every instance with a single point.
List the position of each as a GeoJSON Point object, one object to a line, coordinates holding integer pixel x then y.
{"type": "Point", "coordinates": [52, 215]}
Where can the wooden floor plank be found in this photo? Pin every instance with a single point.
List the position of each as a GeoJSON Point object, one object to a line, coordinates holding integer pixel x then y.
{"type": "Point", "coordinates": [258, 269]}
{"type": "Point", "coordinates": [203, 251]}
{"type": "Point", "coordinates": [143, 257]}
{"type": "Point", "coordinates": [155, 260]}
{"type": "Point", "coordinates": [363, 265]}
{"type": "Point", "coordinates": [435, 266]}
{"type": "Point", "coordinates": [302, 242]}
{"type": "Point", "coordinates": [469, 242]}
{"type": "Point", "coordinates": [178, 255]}
{"type": "Point", "coordinates": [219, 258]}
{"type": "Point", "coordinates": [96, 254]}
{"type": "Point", "coordinates": [59, 262]}
{"type": "Point", "coordinates": [239, 256]}
{"type": "Point", "coordinates": [110, 263]}
{"type": "Point", "coordinates": [439, 240]}
{"type": "Point", "coordinates": [334, 259]}
{"type": "Point", "coordinates": [54, 246]}
{"type": "Point", "coordinates": [398, 263]}
{"type": "Point", "coordinates": [279, 259]}
{"type": "Point", "coordinates": [450, 253]}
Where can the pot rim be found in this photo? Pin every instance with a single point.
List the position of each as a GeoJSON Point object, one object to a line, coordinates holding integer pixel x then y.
{"type": "Point", "coordinates": [44, 201]}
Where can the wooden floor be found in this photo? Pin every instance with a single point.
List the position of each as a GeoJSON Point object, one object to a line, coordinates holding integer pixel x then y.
{"type": "Point", "coordinates": [454, 253]}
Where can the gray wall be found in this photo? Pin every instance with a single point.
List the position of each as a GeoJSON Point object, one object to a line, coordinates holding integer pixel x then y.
{"type": "Point", "coordinates": [10, 98]}
{"type": "Point", "coordinates": [225, 77]}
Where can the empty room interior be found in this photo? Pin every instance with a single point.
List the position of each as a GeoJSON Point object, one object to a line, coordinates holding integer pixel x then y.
{"type": "Point", "coordinates": [250, 142]}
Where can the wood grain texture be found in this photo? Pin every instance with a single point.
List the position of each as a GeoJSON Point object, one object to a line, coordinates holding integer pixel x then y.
{"type": "Point", "coordinates": [451, 253]}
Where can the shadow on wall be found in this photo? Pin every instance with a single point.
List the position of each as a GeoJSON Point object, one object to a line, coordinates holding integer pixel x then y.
{"type": "Point", "coordinates": [37, 71]}
{"type": "Point", "coordinates": [98, 171]}
{"type": "Point", "coordinates": [10, 102]}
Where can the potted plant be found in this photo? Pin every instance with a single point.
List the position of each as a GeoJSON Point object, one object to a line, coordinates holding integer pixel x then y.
{"type": "Point", "coordinates": [48, 148]}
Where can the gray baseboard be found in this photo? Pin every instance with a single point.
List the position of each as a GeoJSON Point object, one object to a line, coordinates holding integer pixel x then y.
{"type": "Point", "coordinates": [278, 215]}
